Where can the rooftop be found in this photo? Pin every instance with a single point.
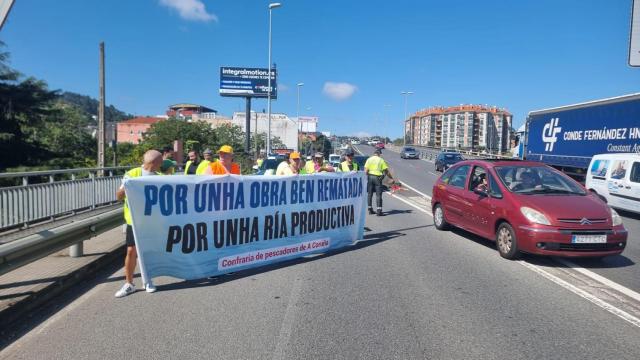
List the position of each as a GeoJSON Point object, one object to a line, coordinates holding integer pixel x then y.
{"type": "Point", "coordinates": [437, 110]}
{"type": "Point", "coordinates": [143, 120]}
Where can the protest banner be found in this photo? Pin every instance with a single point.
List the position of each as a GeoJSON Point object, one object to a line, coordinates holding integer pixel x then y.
{"type": "Point", "coordinates": [192, 227]}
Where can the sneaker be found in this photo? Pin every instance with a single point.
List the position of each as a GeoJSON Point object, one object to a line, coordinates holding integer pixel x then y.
{"type": "Point", "coordinates": [125, 290]}
{"type": "Point", "coordinates": [371, 211]}
{"type": "Point", "coordinates": [150, 288]}
{"type": "Point", "coordinates": [379, 213]}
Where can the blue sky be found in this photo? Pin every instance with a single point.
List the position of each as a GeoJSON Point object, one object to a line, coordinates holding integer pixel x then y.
{"type": "Point", "coordinates": [522, 55]}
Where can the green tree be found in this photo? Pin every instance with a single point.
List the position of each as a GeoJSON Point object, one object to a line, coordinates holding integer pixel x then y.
{"type": "Point", "coordinates": [164, 133]}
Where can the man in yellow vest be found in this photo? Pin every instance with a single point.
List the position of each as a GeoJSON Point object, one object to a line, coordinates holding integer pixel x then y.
{"type": "Point", "coordinates": [192, 164]}
{"type": "Point", "coordinates": [204, 164]}
{"type": "Point", "coordinates": [348, 164]}
{"type": "Point", "coordinates": [150, 166]}
{"type": "Point", "coordinates": [376, 168]}
{"type": "Point", "coordinates": [317, 164]}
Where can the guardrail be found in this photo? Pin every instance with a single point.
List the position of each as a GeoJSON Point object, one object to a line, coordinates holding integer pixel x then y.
{"type": "Point", "coordinates": [31, 248]}
{"type": "Point", "coordinates": [59, 192]}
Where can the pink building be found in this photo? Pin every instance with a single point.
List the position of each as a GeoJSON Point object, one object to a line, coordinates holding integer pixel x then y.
{"type": "Point", "coordinates": [131, 131]}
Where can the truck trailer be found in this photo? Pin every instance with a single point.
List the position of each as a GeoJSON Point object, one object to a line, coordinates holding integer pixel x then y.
{"type": "Point", "coordinates": [567, 137]}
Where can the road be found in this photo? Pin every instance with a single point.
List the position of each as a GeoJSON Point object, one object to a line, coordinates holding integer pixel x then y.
{"type": "Point", "coordinates": [622, 269]}
{"type": "Point", "coordinates": [407, 291]}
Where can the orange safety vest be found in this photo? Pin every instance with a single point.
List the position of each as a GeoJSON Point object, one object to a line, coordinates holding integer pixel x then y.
{"type": "Point", "coordinates": [218, 169]}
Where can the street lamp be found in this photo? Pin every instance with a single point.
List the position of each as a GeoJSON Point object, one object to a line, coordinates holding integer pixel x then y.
{"type": "Point", "coordinates": [385, 119]}
{"type": "Point", "coordinates": [271, 7]}
{"type": "Point", "coordinates": [404, 134]}
{"type": "Point", "coordinates": [299, 85]}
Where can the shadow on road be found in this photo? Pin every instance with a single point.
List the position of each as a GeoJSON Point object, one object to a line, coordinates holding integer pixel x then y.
{"type": "Point", "coordinates": [368, 240]}
{"type": "Point", "coordinates": [615, 261]}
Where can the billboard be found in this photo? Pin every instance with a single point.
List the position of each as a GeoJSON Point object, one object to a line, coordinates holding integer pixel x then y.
{"type": "Point", "coordinates": [247, 82]}
{"type": "Point", "coordinates": [634, 38]}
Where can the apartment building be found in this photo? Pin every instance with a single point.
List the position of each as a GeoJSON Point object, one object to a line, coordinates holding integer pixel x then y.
{"type": "Point", "coordinates": [468, 127]}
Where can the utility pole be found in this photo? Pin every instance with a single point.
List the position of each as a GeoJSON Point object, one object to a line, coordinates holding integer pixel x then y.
{"type": "Point", "coordinates": [101, 124]}
{"type": "Point", "coordinates": [404, 130]}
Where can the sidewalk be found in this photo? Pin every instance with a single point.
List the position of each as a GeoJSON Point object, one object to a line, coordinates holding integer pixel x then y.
{"type": "Point", "coordinates": [28, 287]}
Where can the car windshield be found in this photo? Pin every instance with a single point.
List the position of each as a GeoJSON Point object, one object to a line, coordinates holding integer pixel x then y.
{"type": "Point", "coordinates": [535, 180]}
{"type": "Point", "coordinates": [409, 149]}
{"type": "Point", "coordinates": [270, 164]}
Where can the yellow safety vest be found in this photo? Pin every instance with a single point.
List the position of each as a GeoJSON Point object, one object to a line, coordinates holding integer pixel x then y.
{"type": "Point", "coordinates": [202, 167]}
{"type": "Point", "coordinates": [344, 166]}
{"type": "Point", "coordinates": [376, 165]}
{"type": "Point", "coordinates": [133, 173]}
{"type": "Point", "coordinates": [187, 166]}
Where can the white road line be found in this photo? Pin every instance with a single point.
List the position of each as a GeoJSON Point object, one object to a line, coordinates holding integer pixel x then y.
{"type": "Point", "coordinates": [413, 205]}
{"type": "Point", "coordinates": [417, 191]}
{"type": "Point", "coordinates": [434, 174]}
{"type": "Point", "coordinates": [593, 299]}
{"type": "Point", "coordinates": [615, 286]}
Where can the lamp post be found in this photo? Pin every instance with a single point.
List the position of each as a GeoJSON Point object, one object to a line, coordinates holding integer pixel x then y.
{"type": "Point", "coordinates": [404, 131]}
{"type": "Point", "coordinates": [271, 7]}
{"type": "Point", "coordinates": [385, 119]}
{"type": "Point", "coordinates": [299, 85]}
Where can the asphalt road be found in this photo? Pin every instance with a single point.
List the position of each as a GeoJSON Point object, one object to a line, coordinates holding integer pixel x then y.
{"type": "Point", "coordinates": [623, 269]}
{"type": "Point", "coordinates": [407, 291]}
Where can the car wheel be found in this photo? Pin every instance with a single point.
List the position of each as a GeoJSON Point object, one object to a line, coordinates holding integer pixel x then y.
{"type": "Point", "coordinates": [506, 242]}
{"type": "Point", "coordinates": [439, 220]}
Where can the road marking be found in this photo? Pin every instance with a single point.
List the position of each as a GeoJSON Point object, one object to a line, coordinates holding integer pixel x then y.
{"type": "Point", "coordinates": [593, 299]}
{"type": "Point", "coordinates": [286, 328]}
{"type": "Point", "coordinates": [434, 174]}
{"type": "Point", "coordinates": [413, 205]}
{"type": "Point", "coordinates": [615, 286]}
{"type": "Point", "coordinates": [417, 191]}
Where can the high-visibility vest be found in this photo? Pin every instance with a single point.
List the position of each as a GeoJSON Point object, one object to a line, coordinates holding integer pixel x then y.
{"type": "Point", "coordinates": [133, 173]}
{"type": "Point", "coordinates": [188, 165]}
{"type": "Point", "coordinates": [202, 167]}
{"type": "Point", "coordinates": [376, 165]}
{"type": "Point", "coordinates": [344, 166]}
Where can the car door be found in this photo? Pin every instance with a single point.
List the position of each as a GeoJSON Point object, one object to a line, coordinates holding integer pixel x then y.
{"type": "Point", "coordinates": [454, 196]}
{"type": "Point", "coordinates": [479, 209]}
{"type": "Point", "coordinates": [627, 192]}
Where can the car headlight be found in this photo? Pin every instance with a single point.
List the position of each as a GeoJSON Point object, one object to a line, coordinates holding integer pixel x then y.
{"type": "Point", "coordinates": [534, 216]}
{"type": "Point", "coordinates": [615, 218]}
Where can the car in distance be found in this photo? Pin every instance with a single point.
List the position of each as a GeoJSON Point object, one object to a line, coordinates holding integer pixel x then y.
{"type": "Point", "coordinates": [408, 152]}
{"type": "Point", "coordinates": [268, 166]}
{"type": "Point", "coordinates": [334, 160]}
{"type": "Point", "coordinates": [447, 158]}
{"type": "Point", "coordinates": [526, 207]}
{"type": "Point", "coordinates": [379, 145]}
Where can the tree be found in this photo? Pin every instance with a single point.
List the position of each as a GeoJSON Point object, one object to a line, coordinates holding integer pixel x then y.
{"type": "Point", "coordinates": [164, 133]}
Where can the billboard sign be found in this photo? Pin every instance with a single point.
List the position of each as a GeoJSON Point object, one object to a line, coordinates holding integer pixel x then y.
{"type": "Point", "coordinates": [247, 82]}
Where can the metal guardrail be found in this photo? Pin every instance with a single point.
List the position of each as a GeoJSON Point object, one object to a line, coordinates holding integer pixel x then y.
{"type": "Point", "coordinates": [31, 248]}
{"type": "Point", "coordinates": [65, 192]}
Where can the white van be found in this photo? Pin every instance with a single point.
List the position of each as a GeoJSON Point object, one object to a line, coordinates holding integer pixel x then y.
{"type": "Point", "coordinates": [616, 177]}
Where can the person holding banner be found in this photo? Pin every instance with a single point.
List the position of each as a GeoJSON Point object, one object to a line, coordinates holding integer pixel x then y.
{"type": "Point", "coordinates": [348, 164]}
{"type": "Point", "coordinates": [292, 167]}
{"type": "Point", "coordinates": [225, 164]}
{"type": "Point", "coordinates": [317, 164]}
{"type": "Point", "coordinates": [151, 165]}
{"type": "Point", "coordinates": [376, 168]}
{"type": "Point", "coordinates": [204, 164]}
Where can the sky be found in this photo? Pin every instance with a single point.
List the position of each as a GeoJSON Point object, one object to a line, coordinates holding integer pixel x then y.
{"type": "Point", "coordinates": [354, 57]}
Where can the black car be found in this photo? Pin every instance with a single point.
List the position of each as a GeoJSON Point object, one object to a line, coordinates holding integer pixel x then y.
{"type": "Point", "coordinates": [268, 167]}
{"type": "Point", "coordinates": [408, 153]}
{"type": "Point", "coordinates": [444, 160]}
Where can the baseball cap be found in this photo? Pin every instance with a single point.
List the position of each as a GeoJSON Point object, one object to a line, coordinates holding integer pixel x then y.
{"type": "Point", "coordinates": [208, 151]}
{"type": "Point", "coordinates": [226, 149]}
{"type": "Point", "coordinates": [294, 155]}
{"type": "Point", "coordinates": [167, 164]}
{"type": "Point", "coordinates": [378, 151]}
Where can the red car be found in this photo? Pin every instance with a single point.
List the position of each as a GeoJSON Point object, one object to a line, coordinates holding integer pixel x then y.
{"type": "Point", "coordinates": [526, 207]}
{"type": "Point", "coordinates": [380, 145]}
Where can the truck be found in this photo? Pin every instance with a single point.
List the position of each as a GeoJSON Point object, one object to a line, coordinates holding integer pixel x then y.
{"type": "Point", "coordinates": [567, 137]}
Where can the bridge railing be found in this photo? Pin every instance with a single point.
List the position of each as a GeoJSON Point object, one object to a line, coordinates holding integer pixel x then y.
{"type": "Point", "coordinates": [45, 195]}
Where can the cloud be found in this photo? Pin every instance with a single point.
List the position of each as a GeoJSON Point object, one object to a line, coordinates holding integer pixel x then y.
{"type": "Point", "coordinates": [192, 10]}
{"type": "Point", "coordinates": [339, 91]}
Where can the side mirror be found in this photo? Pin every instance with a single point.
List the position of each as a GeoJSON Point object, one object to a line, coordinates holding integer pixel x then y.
{"type": "Point", "coordinates": [480, 192]}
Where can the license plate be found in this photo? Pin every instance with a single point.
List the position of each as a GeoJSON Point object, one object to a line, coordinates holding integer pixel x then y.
{"type": "Point", "coordinates": [589, 239]}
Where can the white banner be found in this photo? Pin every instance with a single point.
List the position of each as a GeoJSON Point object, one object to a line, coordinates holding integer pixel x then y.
{"type": "Point", "coordinates": [191, 227]}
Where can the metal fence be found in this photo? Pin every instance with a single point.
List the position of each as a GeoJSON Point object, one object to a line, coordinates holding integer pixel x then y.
{"type": "Point", "coordinates": [63, 192]}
